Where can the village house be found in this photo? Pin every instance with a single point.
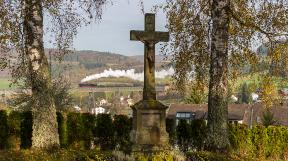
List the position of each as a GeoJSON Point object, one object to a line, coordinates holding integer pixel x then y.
{"type": "Point", "coordinates": [97, 110]}
{"type": "Point", "coordinates": [237, 113]}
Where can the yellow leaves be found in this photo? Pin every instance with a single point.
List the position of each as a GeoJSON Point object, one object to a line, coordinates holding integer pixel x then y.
{"type": "Point", "coordinates": [269, 91]}
{"type": "Point", "coordinates": [232, 29]}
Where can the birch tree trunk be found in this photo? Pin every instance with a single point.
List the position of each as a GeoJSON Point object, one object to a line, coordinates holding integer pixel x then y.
{"type": "Point", "coordinates": [45, 131]}
{"type": "Point", "coordinates": [217, 138]}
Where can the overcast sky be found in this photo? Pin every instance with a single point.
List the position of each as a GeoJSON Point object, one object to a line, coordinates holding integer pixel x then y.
{"type": "Point", "coordinates": [112, 34]}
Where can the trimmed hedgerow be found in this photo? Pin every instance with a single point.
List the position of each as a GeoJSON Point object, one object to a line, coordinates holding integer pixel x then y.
{"type": "Point", "coordinates": [123, 127]}
{"type": "Point", "coordinates": [62, 129]}
{"type": "Point", "coordinates": [4, 133]}
{"type": "Point", "coordinates": [198, 129]}
{"type": "Point", "coordinates": [104, 132]}
{"type": "Point", "coordinates": [89, 124]}
{"type": "Point", "coordinates": [240, 139]}
{"type": "Point", "coordinates": [75, 130]}
{"type": "Point", "coordinates": [170, 128]}
{"type": "Point", "coordinates": [26, 130]}
{"type": "Point", "coordinates": [14, 123]}
{"type": "Point", "coordinates": [183, 132]}
{"type": "Point", "coordinates": [260, 142]}
{"type": "Point", "coordinates": [55, 155]}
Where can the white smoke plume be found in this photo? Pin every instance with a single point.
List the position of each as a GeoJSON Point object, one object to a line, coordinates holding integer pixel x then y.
{"type": "Point", "coordinates": [127, 73]}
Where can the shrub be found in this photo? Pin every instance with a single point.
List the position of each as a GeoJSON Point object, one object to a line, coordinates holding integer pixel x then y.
{"type": "Point", "coordinates": [170, 128]}
{"type": "Point", "coordinates": [89, 124]}
{"type": "Point", "coordinates": [14, 123]}
{"type": "Point", "coordinates": [62, 129]}
{"type": "Point", "coordinates": [268, 118]}
{"type": "Point", "coordinates": [4, 130]}
{"type": "Point", "coordinates": [26, 130]}
{"type": "Point", "coordinates": [275, 141]}
{"type": "Point", "coordinates": [74, 130]}
{"type": "Point", "coordinates": [55, 155]}
{"type": "Point", "coordinates": [240, 139]}
{"type": "Point", "coordinates": [198, 128]}
{"type": "Point", "coordinates": [183, 132]}
{"type": "Point", "coordinates": [207, 156]}
{"type": "Point", "coordinates": [259, 141]}
{"type": "Point", "coordinates": [104, 132]}
{"type": "Point", "coordinates": [123, 127]}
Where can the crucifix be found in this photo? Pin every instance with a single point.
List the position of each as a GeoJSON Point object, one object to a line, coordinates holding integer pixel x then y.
{"type": "Point", "coordinates": [149, 37]}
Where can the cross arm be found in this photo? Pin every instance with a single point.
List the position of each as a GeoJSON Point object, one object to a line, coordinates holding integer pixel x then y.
{"type": "Point", "coordinates": [149, 36]}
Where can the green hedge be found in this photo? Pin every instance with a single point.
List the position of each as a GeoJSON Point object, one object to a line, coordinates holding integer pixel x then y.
{"type": "Point", "coordinates": [4, 130]}
{"type": "Point", "coordinates": [183, 133]}
{"type": "Point", "coordinates": [62, 129]}
{"type": "Point", "coordinates": [123, 126]}
{"type": "Point", "coordinates": [263, 143]}
{"type": "Point", "coordinates": [189, 135]}
{"type": "Point", "coordinates": [15, 130]}
{"type": "Point", "coordinates": [14, 123]}
{"type": "Point", "coordinates": [198, 129]}
{"type": "Point", "coordinates": [26, 130]}
{"type": "Point", "coordinates": [170, 128]}
{"type": "Point", "coordinates": [104, 132]}
{"type": "Point", "coordinates": [81, 130]}
{"type": "Point", "coordinates": [75, 130]}
{"type": "Point", "coordinates": [55, 155]}
{"type": "Point", "coordinates": [89, 124]}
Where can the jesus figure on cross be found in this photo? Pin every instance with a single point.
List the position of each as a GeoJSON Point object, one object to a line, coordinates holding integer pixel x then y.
{"type": "Point", "coordinates": [149, 37]}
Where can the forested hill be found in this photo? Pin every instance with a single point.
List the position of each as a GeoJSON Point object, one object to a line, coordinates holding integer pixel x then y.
{"type": "Point", "coordinates": [95, 59]}
{"type": "Point", "coordinates": [78, 64]}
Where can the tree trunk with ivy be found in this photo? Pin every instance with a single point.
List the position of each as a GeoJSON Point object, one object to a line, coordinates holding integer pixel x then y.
{"type": "Point", "coordinates": [217, 138]}
{"type": "Point", "coordinates": [45, 131]}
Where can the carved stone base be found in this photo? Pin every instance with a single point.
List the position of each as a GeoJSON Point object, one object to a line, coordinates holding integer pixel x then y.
{"type": "Point", "coordinates": [149, 127]}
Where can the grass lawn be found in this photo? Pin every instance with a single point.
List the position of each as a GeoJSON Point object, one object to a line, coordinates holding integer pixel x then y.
{"type": "Point", "coordinates": [4, 83]}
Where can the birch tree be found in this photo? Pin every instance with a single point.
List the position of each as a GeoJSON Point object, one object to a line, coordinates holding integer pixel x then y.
{"type": "Point", "coordinates": [213, 41]}
{"type": "Point", "coordinates": [22, 30]}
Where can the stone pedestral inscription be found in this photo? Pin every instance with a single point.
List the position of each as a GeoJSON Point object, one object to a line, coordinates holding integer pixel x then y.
{"type": "Point", "coordinates": [150, 120]}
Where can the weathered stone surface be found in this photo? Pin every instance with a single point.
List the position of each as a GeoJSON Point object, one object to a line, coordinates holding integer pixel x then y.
{"type": "Point", "coordinates": [149, 116]}
{"type": "Point", "coordinates": [149, 127]}
{"type": "Point", "coordinates": [149, 37]}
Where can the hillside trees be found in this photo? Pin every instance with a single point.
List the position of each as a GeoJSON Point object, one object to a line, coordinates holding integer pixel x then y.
{"type": "Point", "coordinates": [220, 35]}
{"type": "Point", "coordinates": [22, 30]}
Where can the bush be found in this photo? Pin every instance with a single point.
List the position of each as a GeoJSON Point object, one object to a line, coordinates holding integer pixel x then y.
{"type": "Point", "coordinates": [170, 128]}
{"type": "Point", "coordinates": [75, 130]}
{"type": "Point", "coordinates": [207, 156]}
{"type": "Point", "coordinates": [4, 130]}
{"type": "Point", "coordinates": [240, 139]}
{"type": "Point", "coordinates": [183, 132]}
{"type": "Point", "coordinates": [55, 155]}
{"type": "Point", "coordinates": [89, 124]}
{"type": "Point", "coordinates": [275, 143]}
{"type": "Point", "coordinates": [104, 132]}
{"type": "Point", "coordinates": [14, 123]}
{"type": "Point", "coordinates": [123, 127]}
{"type": "Point", "coordinates": [198, 128]}
{"type": "Point", "coordinates": [26, 130]}
{"type": "Point", "coordinates": [62, 129]}
{"type": "Point", "coordinates": [260, 141]}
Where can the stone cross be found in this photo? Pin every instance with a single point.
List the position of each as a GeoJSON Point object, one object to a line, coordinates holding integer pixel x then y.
{"type": "Point", "coordinates": [149, 37]}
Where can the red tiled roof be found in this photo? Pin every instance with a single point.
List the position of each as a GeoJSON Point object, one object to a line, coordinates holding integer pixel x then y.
{"type": "Point", "coordinates": [235, 111]}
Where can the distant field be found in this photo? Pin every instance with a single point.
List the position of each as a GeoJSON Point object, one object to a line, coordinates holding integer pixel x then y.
{"type": "Point", "coordinates": [4, 84]}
